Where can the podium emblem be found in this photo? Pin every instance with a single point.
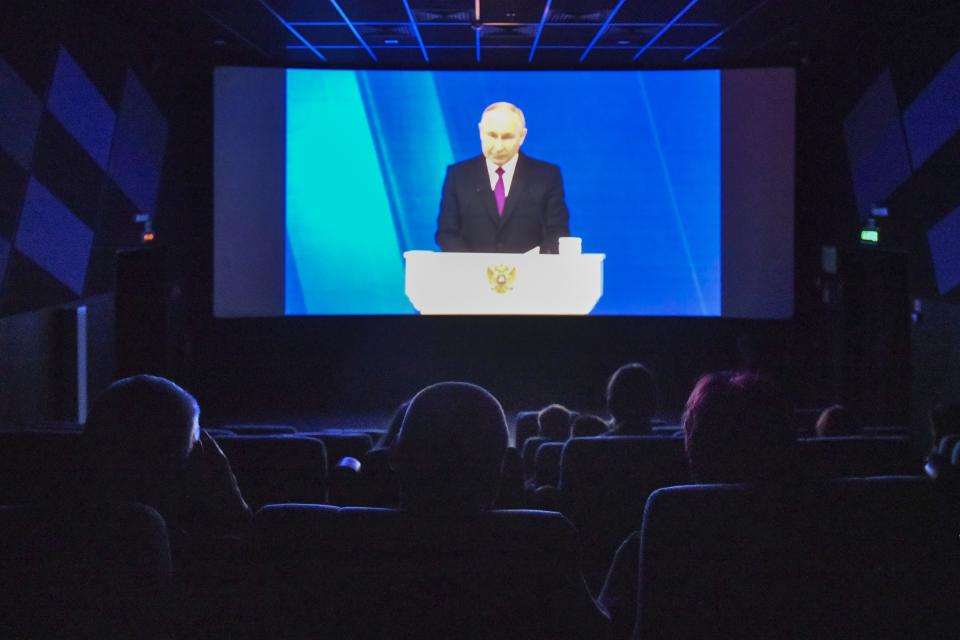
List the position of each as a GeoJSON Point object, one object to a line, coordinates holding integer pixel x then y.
{"type": "Point", "coordinates": [501, 277]}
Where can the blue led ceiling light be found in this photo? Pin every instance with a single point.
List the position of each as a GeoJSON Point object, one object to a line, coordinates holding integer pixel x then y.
{"type": "Point", "coordinates": [416, 31]}
{"type": "Point", "coordinates": [289, 27]}
{"type": "Point", "coordinates": [665, 28]}
{"type": "Point", "coordinates": [536, 38]}
{"type": "Point", "coordinates": [603, 28]}
{"type": "Point", "coordinates": [726, 30]}
{"type": "Point", "coordinates": [389, 45]}
{"type": "Point", "coordinates": [354, 29]}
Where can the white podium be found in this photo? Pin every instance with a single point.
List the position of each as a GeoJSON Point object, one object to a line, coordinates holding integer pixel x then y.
{"type": "Point", "coordinates": [503, 283]}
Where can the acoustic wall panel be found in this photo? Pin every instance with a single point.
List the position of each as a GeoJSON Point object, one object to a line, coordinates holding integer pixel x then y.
{"type": "Point", "coordinates": [138, 145]}
{"type": "Point", "coordinates": [876, 146]}
{"type": "Point", "coordinates": [20, 112]}
{"type": "Point", "coordinates": [81, 152]}
{"type": "Point", "coordinates": [53, 237]}
{"type": "Point", "coordinates": [81, 108]}
{"type": "Point", "coordinates": [13, 184]}
{"type": "Point", "coordinates": [944, 239]}
{"type": "Point", "coordinates": [65, 169]}
{"type": "Point", "coordinates": [934, 116]}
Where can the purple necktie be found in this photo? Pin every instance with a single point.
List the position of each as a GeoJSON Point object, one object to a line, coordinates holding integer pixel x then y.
{"type": "Point", "coordinates": [499, 191]}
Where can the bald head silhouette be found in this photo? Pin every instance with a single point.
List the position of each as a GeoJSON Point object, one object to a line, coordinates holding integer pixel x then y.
{"type": "Point", "coordinates": [450, 448]}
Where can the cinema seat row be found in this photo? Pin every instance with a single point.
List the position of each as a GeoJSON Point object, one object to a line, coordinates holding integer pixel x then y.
{"type": "Point", "coordinates": [35, 465]}
{"type": "Point", "coordinates": [602, 483]}
{"type": "Point", "coordinates": [849, 558]}
{"type": "Point", "coordinates": [587, 471]}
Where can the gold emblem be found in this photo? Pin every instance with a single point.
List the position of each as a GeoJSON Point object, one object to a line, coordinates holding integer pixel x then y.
{"type": "Point", "coordinates": [501, 277]}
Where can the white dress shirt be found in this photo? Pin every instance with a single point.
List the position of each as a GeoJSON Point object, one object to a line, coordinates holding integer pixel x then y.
{"type": "Point", "coordinates": [508, 168]}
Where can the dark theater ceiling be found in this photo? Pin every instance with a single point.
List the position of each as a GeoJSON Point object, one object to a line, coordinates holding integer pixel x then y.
{"type": "Point", "coordinates": [550, 33]}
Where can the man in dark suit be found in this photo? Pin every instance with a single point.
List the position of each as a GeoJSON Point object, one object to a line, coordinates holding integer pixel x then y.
{"type": "Point", "coordinates": [503, 201]}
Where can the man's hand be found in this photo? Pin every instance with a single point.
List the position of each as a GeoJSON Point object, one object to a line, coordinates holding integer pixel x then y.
{"type": "Point", "coordinates": [212, 485]}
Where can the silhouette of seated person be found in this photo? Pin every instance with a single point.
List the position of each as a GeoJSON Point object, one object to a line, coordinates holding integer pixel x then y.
{"type": "Point", "coordinates": [449, 450]}
{"type": "Point", "coordinates": [527, 426]}
{"type": "Point", "coordinates": [511, 493]}
{"type": "Point", "coordinates": [492, 564]}
{"type": "Point", "coordinates": [396, 420]}
{"type": "Point", "coordinates": [587, 425]}
{"type": "Point", "coordinates": [631, 400]}
{"type": "Point", "coordinates": [944, 420]}
{"type": "Point", "coordinates": [836, 422]}
{"type": "Point", "coordinates": [142, 442]}
{"type": "Point", "coordinates": [378, 483]}
{"type": "Point", "coordinates": [737, 428]}
{"type": "Point", "coordinates": [554, 423]}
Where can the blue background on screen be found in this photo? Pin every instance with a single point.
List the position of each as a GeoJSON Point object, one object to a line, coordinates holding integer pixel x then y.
{"type": "Point", "coordinates": [367, 152]}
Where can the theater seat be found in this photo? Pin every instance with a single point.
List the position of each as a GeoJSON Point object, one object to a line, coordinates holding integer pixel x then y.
{"type": "Point", "coordinates": [529, 455]}
{"type": "Point", "coordinates": [604, 484]}
{"type": "Point", "coordinates": [547, 464]}
{"type": "Point", "coordinates": [100, 571]}
{"type": "Point", "coordinates": [525, 426]}
{"type": "Point", "coordinates": [288, 563]}
{"type": "Point", "coordinates": [885, 431]}
{"type": "Point", "coordinates": [378, 573]}
{"type": "Point", "coordinates": [260, 429]}
{"type": "Point", "coordinates": [271, 469]}
{"type": "Point", "coordinates": [850, 558]}
{"type": "Point", "coordinates": [856, 456]}
{"type": "Point", "coordinates": [511, 494]}
{"type": "Point", "coordinates": [947, 443]}
{"type": "Point", "coordinates": [379, 485]}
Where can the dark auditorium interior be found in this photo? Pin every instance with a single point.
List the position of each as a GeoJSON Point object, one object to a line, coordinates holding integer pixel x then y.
{"type": "Point", "coordinates": [169, 471]}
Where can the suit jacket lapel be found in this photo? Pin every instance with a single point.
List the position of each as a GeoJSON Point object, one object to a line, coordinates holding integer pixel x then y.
{"type": "Point", "coordinates": [485, 194]}
{"type": "Point", "coordinates": [516, 191]}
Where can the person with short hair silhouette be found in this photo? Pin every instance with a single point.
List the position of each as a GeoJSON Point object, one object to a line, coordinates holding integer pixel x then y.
{"type": "Point", "coordinates": [450, 448]}
{"type": "Point", "coordinates": [142, 442]}
{"type": "Point", "coordinates": [837, 421]}
{"type": "Point", "coordinates": [478, 561]}
{"type": "Point", "coordinates": [631, 400]}
{"type": "Point", "coordinates": [554, 422]}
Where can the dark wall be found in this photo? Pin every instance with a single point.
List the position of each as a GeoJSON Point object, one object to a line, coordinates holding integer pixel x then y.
{"type": "Point", "coordinates": [912, 44]}
{"type": "Point", "coordinates": [84, 125]}
{"type": "Point", "coordinates": [294, 368]}
{"type": "Point", "coordinates": [37, 360]}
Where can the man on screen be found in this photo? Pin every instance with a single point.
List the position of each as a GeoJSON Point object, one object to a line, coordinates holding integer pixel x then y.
{"type": "Point", "coordinates": [503, 201]}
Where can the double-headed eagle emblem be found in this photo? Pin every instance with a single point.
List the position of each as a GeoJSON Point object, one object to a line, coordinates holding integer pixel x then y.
{"type": "Point", "coordinates": [501, 277]}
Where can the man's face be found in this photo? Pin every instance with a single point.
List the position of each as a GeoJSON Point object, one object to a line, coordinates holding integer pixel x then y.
{"type": "Point", "coordinates": [501, 135]}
